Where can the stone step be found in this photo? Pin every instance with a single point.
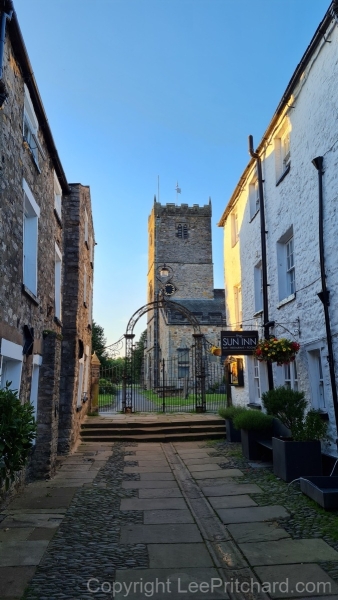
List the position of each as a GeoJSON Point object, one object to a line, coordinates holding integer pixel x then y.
{"type": "Point", "coordinates": [140, 430]}
{"type": "Point", "coordinates": [151, 437]}
{"type": "Point", "coordinates": [155, 424]}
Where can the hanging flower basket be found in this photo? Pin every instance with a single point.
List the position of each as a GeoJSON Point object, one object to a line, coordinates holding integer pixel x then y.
{"type": "Point", "coordinates": [282, 351]}
{"type": "Point", "coordinates": [215, 351]}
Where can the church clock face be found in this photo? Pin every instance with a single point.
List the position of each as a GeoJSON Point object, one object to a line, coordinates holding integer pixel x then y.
{"type": "Point", "coordinates": [169, 289]}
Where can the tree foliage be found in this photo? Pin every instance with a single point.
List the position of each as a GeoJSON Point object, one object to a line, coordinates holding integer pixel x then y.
{"type": "Point", "coordinates": [138, 355]}
{"type": "Point", "coordinates": [99, 343]}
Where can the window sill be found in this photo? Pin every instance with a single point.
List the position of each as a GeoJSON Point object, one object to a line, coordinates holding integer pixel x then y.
{"type": "Point", "coordinates": [286, 300]}
{"type": "Point", "coordinates": [254, 405]}
{"type": "Point", "coordinates": [25, 290]}
{"type": "Point", "coordinates": [57, 321]}
{"type": "Point", "coordinates": [284, 174]}
{"type": "Point", "coordinates": [254, 216]}
{"type": "Point", "coordinates": [258, 313]}
{"type": "Point", "coordinates": [58, 217]}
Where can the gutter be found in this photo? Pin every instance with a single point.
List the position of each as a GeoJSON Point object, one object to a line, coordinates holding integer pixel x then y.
{"type": "Point", "coordinates": [21, 54]}
{"type": "Point", "coordinates": [324, 295]}
{"type": "Point", "coordinates": [267, 324]}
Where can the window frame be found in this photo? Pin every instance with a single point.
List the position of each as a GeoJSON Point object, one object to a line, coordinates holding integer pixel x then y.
{"type": "Point", "coordinates": [234, 228]}
{"type": "Point", "coordinates": [254, 200]}
{"type": "Point", "coordinates": [282, 157]}
{"type": "Point", "coordinates": [30, 232]}
{"type": "Point", "coordinates": [286, 273]}
{"type": "Point", "coordinates": [258, 287]}
{"type": "Point", "coordinates": [57, 197]}
{"type": "Point", "coordinates": [30, 127]}
{"type": "Point", "coordinates": [58, 283]}
{"type": "Point", "coordinates": [238, 304]}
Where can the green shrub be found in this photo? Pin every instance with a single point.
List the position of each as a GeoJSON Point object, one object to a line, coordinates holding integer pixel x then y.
{"type": "Point", "coordinates": [107, 387]}
{"type": "Point", "coordinates": [17, 432]}
{"type": "Point", "coordinates": [252, 420]}
{"type": "Point", "coordinates": [231, 411]}
{"type": "Point", "coordinates": [289, 407]}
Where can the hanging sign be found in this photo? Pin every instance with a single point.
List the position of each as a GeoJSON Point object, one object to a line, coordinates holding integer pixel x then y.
{"type": "Point", "coordinates": [238, 342]}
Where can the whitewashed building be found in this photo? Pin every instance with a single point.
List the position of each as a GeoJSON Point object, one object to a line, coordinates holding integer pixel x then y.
{"type": "Point", "coordinates": [303, 128]}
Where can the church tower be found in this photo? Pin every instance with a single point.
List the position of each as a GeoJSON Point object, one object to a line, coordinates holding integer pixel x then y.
{"type": "Point", "coordinates": [180, 268]}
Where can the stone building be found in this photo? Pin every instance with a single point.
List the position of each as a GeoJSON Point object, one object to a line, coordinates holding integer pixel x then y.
{"type": "Point", "coordinates": [302, 135]}
{"type": "Point", "coordinates": [180, 269]}
{"type": "Point", "coordinates": [43, 223]}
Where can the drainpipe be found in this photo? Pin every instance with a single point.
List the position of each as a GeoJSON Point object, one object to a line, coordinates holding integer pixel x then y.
{"type": "Point", "coordinates": [267, 324]}
{"type": "Point", "coordinates": [324, 295]}
{"type": "Point", "coordinates": [4, 18]}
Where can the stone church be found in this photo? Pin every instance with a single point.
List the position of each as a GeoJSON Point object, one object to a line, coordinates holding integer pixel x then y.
{"type": "Point", "coordinates": [180, 270]}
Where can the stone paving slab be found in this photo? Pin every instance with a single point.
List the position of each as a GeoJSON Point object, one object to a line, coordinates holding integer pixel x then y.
{"type": "Point", "coordinates": [31, 519]}
{"type": "Point", "coordinates": [230, 489]}
{"type": "Point", "coordinates": [288, 552]}
{"type": "Point", "coordinates": [160, 493]}
{"type": "Point", "coordinates": [149, 469]}
{"type": "Point", "coordinates": [202, 461]}
{"type": "Point", "coordinates": [41, 533]}
{"type": "Point", "coordinates": [257, 532]}
{"type": "Point", "coordinates": [231, 501]}
{"type": "Point", "coordinates": [17, 534]}
{"type": "Point", "coordinates": [287, 579]}
{"type": "Point", "coordinates": [216, 474]}
{"type": "Point", "coordinates": [156, 534]}
{"type": "Point", "coordinates": [156, 517]}
{"type": "Point", "coordinates": [162, 556]}
{"type": "Point", "coordinates": [38, 498]}
{"type": "Point", "coordinates": [204, 467]}
{"type": "Point", "coordinates": [175, 584]}
{"type": "Point", "coordinates": [153, 503]}
{"type": "Point", "coordinates": [157, 476]}
{"type": "Point", "coordinates": [151, 484]}
{"type": "Point", "coordinates": [14, 580]}
{"type": "Point", "coordinates": [22, 554]}
{"type": "Point", "coordinates": [252, 514]}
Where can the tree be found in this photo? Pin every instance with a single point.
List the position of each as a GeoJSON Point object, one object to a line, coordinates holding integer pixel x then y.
{"type": "Point", "coordinates": [138, 354]}
{"type": "Point", "coordinates": [99, 343]}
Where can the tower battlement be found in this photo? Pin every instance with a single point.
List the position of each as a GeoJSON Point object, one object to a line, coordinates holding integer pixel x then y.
{"type": "Point", "coordinates": [182, 210]}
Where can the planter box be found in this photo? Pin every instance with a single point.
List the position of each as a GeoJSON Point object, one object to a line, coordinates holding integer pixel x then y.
{"type": "Point", "coordinates": [233, 435]}
{"type": "Point", "coordinates": [323, 490]}
{"type": "Point", "coordinates": [250, 448]}
{"type": "Point", "coordinates": [292, 460]}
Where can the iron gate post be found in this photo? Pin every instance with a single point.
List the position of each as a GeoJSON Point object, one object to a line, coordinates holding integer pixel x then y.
{"type": "Point", "coordinates": [163, 385]}
{"type": "Point", "coordinates": [199, 373]}
{"type": "Point", "coordinates": [127, 391]}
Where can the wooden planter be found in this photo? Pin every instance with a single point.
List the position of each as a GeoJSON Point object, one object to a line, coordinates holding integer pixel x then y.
{"type": "Point", "coordinates": [250, 448]}
{"type": "Point", "coordinates": [292, 460]}
{"type": "Point", "coordinates": [233, 435]}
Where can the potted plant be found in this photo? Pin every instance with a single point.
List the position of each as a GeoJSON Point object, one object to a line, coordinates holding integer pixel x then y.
{"type": "Point", "coordinates": [229, 413]}
{"type": "Point", "coordinates": [254, 426]}
{"type": "Point", "coordinates": [300, 453]}
{"type": "Point", "coordinates": [282, 351]}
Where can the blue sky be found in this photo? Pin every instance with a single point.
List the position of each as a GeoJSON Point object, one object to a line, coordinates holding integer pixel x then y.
{"type": "Point", "coordinates": [136, 89]}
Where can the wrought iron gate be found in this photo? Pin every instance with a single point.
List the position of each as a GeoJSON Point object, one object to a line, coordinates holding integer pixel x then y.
{"type": "Point", "coordinates": [191, 382]}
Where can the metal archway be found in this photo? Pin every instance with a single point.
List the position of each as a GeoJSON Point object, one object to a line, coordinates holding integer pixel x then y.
{"type": "Point", "coordinates": [199, 367]}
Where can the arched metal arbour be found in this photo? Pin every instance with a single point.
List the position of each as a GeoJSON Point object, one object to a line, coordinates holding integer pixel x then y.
{"type": "Point", "coordinates": [161, 303]}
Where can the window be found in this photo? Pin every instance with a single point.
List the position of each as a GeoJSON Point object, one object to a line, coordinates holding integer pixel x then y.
{"type": "Point", "coordinates": [282, 152]}
{"type": "Point", "coordinates": [37, 362]}
{"type": "Point", "coordinates": [86, 228]}
{"type": "Point", "coordinates": [290, 376]}
{"type": "Point", "coordinates": [286, 266]}
{"type": "Point", "coordinates": [30, 239]}
{"type": "Point", "coordinates": [257, 384]}
{"type": "Point", "coordinates": [90, 306]}
{"type": "Point", "coordinates": [10, 364]}
{"type": "Point", "coordinates": [182, 230]}
{"type": "Point", "coordinates": [234, 228]}
{"type": "Point", "coordinates": [57, 196]}
{"type": "Point", "coordinates": [238, 305]}
{"type": "Point", "coordinates": [58, 267]}
{"type": "Point", "coordinates": [183, 363]}
{"type": "Point", "coordinates": [91, 251]}
{"type": "Point", "coordinates": [254, 197]}
{"type": "Point", "coordinates": [258, 285]}
{"type": "Point", "coordinates": [30, 127]}
{"type": "Point", "coordinates": [316, 379]}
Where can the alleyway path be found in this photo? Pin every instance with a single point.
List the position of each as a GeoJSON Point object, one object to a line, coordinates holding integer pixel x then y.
{"type": "Point", "coordinates": [148, 521]}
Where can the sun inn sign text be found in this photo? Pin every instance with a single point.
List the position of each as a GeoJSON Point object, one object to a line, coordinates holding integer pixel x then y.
{"type": "Point", "coordinates": [238, 342]}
